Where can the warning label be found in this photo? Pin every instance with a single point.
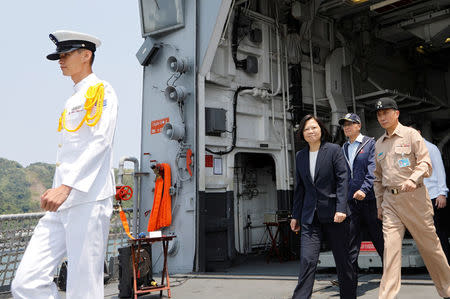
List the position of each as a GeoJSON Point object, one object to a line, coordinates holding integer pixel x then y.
{"type": "Point", "coordinates": [209, 161]}
{"type": "Point", "coordinates": [367, 246]}
{"type": "Point", "coordinates": [157, 125]}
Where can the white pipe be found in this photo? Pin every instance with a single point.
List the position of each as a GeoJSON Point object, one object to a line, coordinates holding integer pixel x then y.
{"type": "Point", "coordinates": [271, 74]}
{"type": "Point", "coordinates": [294, 164]}
{"type": "Point", "coordinates": [136, 187]}
{"type": "Point", "coordinates": [286, 81]}
{"type": "Point", "coordinates": [278, 76]}
{"type": "Point", "coordinates": [286, 163]}
{"type": "Point", "coordinates": [287, 69]}
{"type": "Point", "coordinates": [284, 143]}
{"type": "Point", "coordinates": [201, 131]}
{"type": "Point", "coordinates": [247, 91]}
{"type": "Point", "coordinates": [278, 65]}
{"type": "Point", "coordinates": [270, 58]}
{"type": "Point", "coordinates": [273, 113]}
{"type": "Point", "coordinates": [312, 72]}
{"type": "Point", "coordinates": [353, 89]}
{"type": "Point", "coordinates": [257, 16]}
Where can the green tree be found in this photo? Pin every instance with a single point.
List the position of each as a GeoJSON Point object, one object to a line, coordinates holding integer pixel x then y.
{"type": "Point", "coordinates": [14, 188]}
{"type": "Point", "coordinates": [20, 188]}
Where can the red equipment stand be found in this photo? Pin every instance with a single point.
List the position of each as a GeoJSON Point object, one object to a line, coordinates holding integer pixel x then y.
{"type": "Point", "coordinates": [136, 244]}
{"type": "Point", "coordinates": [275, 248]}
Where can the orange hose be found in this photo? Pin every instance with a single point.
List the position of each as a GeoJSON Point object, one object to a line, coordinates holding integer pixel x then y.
{"type": "Point", "coordinates": [126, 227]}
{"type": "Point", "coordinates": [161, 215]}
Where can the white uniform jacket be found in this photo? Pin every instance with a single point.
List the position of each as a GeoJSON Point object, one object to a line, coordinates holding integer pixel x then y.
{"type": "Point", "coordinates": [84, 158]}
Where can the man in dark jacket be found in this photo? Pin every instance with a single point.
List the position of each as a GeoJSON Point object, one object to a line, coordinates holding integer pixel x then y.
{"type": "Point", "coordinates": [359, 152]}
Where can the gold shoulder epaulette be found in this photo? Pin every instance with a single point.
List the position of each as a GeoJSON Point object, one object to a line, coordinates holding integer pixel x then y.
{"type": "Point", "coordinates": [93, 106]}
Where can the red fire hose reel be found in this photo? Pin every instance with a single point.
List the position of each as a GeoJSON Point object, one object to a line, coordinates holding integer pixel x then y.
{"type": "Point", "coordinates": [123, 192]}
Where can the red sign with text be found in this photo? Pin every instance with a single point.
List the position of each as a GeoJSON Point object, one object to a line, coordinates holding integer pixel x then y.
{"type": "Point", "coordinates": [367, 246]}
{"type": "Point", "coordinates": [209, 161]}
{"type": "Point", "coordinates": [157, 125]}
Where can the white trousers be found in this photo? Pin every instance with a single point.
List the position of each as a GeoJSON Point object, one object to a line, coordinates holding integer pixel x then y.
{"type": "Point", "coordinates": [80, 233]}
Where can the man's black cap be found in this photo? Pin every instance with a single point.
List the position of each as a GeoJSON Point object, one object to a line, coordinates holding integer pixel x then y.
{"type": "Point", "coordinates": [350, 117]}
{"type": "Point", "coordinates": [386, 103]}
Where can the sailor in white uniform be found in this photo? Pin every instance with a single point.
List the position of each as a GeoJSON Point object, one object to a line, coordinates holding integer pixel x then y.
{"type": "Point", "coordinates": [79, 205]}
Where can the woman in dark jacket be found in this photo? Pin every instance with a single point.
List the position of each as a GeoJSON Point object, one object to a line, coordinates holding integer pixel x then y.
{"type": "Point", "coordinates": [320, 208]}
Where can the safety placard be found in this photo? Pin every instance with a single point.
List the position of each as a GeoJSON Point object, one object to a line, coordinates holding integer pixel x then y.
{"type": "Point", "coordinates": [367, 246]}
{"type": "Point", "coordinates": [217, 166]}
{"type": "Point", "coordinates": [209, 161]}
{"type": "Point", "coordinates": [157, 125]}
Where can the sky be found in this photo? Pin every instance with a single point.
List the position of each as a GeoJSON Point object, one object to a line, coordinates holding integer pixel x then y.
{"type": "Point", "coordinates": [33, 90]}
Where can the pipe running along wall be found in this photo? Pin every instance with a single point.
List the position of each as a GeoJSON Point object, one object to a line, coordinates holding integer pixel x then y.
{"type": "Point", "coordinates": [135, 161]}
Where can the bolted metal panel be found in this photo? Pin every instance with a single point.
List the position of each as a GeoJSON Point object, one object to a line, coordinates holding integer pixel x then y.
{"type": "Point", "coordinates": [168, 132]}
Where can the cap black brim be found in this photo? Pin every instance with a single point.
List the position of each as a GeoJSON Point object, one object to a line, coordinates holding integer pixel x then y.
{"type": "Point", "coordinates": [343, 120]}
{"type": "Point", "coordinates": [55, 55]}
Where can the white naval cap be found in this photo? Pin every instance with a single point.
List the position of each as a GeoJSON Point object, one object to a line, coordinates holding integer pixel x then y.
{"type": "Point", "coordinates": [67, 41]}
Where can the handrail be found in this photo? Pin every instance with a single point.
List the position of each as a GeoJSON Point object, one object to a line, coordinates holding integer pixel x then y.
{"type": "Point", "coordinates": [16, 231]}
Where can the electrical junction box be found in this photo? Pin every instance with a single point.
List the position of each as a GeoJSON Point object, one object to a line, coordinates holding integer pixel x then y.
{"type": "Point", "coordinates": [147, 52]}
{"type": "Point", "coordinates": [215, 123]}
{"type": "Point", "coordinates": [256, 35]}
{"type": "Point", "coordinates": [251, 64]}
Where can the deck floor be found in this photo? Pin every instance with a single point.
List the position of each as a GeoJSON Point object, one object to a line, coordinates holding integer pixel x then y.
{"type": "Point", "coordinates": [254, 278]}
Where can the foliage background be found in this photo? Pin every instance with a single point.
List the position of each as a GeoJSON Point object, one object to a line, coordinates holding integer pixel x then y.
{"type": "Point", "coordinates": [21, 187]}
